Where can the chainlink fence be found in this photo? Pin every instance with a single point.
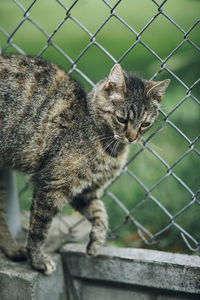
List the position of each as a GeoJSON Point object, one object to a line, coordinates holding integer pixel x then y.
{"type": "Point", "coordinates": [153, 198]}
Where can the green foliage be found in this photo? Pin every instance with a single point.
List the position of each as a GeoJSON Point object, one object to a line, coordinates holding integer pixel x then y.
{"type": "Point", "coordinates": [162, 37]}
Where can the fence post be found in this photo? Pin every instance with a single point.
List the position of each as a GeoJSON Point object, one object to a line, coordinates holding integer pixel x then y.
{"type": "Point", "coordinates": [11, 201]}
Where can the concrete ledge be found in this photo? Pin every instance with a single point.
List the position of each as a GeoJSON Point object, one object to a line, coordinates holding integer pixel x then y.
{"type": "Point", "coordinates": [19, 281]}
{"type": "Point", "coordinates": [113, 275]}
{"type": "Point", "coordinates": [162, 271]}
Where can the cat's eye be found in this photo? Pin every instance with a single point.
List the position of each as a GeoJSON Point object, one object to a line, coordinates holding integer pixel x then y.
{"type": "Point", "coordinates": [121, 120]}
{"type": "Point", "coordinates": [145, 124]}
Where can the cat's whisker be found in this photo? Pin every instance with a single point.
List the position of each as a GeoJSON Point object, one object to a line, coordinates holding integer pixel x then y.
{"type": "Point", "coordinates": [112, 151]}
{"type": "Point", "coordinates": [75, 163]}
{"type": "Point", "coordinates": [108, 144]}
{"type": "Point", "coordinates": [151, 144]}
{"type": "Point", "coordinates": [115, 148]}
{"type": "Point", "coordinates": [81, 158]}
{"type": "Point", "coordinates": [97, 154]}
{"type": "Point", "coordinates": [104, 148]}
{"type": "Point", "coordinates": [139, 145]}
{"type": "Point", "coordinates": [99, 136]}
{"type": "Point", "coordinates": [104, 138]}
{"type": "Point", "coordinates": [111, 140]}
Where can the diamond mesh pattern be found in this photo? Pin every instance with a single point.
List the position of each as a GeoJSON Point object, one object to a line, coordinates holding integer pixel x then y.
{"type": "Point", "coordinates": [168, 174]}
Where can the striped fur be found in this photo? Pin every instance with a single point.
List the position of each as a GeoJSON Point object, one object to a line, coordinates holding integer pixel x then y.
{"type": "Point", "coordinates": [71, 144]}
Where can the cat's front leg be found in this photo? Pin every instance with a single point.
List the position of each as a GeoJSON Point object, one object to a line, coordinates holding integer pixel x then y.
{"type": "Point", "coordinates": [95, 212]}
{"type": "Point", "coordinates": [43, 209]}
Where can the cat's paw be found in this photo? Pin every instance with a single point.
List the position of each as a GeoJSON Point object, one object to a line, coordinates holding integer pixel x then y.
{"type": "Point", "coordinates": [50, 266]}
{"type": "Point", "coordinates": [93, 248]}
{"type": "Point", "coordinates": [97, 240]}
{"type": "Point", "coordinates": [45, 264]}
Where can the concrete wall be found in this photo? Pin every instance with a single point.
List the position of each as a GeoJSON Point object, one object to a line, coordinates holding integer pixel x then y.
{"type": "Point", "coordinates": [130, 274]}
{"type": "Point", "coordinates": [116, 274]}
{"type": "Point", "coordinates": [19, 282]}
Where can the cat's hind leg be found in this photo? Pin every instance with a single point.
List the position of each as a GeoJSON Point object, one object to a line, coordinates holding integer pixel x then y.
{"type": "Point", "coordinates": [95, 212]}
{"type": "Point", "coordinates": [8, 244]}
{"type": "Point", "coordinates": [43, 209]}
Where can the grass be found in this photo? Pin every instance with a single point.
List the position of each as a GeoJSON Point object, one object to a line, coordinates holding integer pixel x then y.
{"type": "Point", "coordinates": [162, 36]}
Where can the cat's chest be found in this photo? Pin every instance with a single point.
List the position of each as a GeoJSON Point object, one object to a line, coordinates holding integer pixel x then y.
{"type": "Point", "coordinates": [100, 171]}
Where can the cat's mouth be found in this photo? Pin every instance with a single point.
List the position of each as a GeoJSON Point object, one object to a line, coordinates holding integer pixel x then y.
{"type": "Point", "coordinates": [127, 140]}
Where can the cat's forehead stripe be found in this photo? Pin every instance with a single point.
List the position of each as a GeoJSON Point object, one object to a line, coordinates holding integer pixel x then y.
{"type": "Point", "coordinates": [144, 117]}
{"type": "Point", "coordinates": [131, 115]}
{"type": "Point", "coordinates": [134, 110]}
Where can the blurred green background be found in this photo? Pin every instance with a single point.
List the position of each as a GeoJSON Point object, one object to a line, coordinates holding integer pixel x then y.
{"type": "Point", "coordinates": [162, 37]}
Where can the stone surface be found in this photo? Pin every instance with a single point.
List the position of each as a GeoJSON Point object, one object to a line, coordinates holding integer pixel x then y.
{"type": "Point", "coordinates": [113, 275]}
{"type": "Point", "coordinates": [146, 273]}
{"type": "Point", "coordinates": [19, 282]}
{"type": "Point", "coordinates": [99, 290]}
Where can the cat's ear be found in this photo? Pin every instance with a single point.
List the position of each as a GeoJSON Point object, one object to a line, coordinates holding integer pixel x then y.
{"type": "Point", "coordinates": [116, 79]}
{"type": "Point", "coordinates": [156, 89]}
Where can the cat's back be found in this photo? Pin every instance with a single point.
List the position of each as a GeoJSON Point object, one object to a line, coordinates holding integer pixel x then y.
{"type": "Point", "coordinates": [24, 78]}
{"type": "Point", "coordinates": [37, 101]}
{"type": "Point", "coordinates": [32, 89]}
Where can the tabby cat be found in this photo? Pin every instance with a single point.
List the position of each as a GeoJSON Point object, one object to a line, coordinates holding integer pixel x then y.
{"type": "Point", "coordinates": [72, 144]}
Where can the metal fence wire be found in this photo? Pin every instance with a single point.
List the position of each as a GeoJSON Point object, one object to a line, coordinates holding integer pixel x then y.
{"type": "Point", "coordinates": [129, 214]}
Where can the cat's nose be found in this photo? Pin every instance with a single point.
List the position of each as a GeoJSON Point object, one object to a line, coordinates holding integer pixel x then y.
{"type": "Point", "coordinates": [131, 135]}
{"type": "Point", "coordinates": [131, 139]}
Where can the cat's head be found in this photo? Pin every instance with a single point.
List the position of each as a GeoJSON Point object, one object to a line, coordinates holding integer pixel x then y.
{"type": "Point", "coordinates": [125, 105]}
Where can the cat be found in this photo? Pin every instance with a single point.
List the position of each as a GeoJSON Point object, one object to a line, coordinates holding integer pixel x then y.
{"type": "Point", "coordinates": [72, 144]}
